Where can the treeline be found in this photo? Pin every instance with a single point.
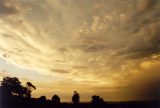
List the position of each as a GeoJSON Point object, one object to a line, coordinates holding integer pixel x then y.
{"type": "Point", "coordinates": [14, 94]}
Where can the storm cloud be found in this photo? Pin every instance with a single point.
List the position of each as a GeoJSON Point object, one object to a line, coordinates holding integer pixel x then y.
{"type": "Point", "coordinates": [7, 8]}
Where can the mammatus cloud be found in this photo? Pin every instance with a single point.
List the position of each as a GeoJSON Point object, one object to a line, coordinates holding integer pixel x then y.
{"type": "Point", "coordinates": [7, 8]}
{"type": "Point", "coordinates": [109, 43]}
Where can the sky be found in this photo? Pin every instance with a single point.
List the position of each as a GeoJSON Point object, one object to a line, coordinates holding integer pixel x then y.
{"type": "Point", "coordinates": [109, 48]}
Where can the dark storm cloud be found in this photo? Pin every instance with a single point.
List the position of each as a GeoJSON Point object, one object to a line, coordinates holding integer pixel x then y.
{"type": "Point", "coordinates": [130, 33]}
{"type": "Point", "coordinates": [91, 48]}
{"type": "Point", "coordinates": [5, 55]}
{"type": "Point", "coordinates": [146, 12]}
{"type": "Point", "coordinates": [144, 5]}
{"type": "Point", "coordinates": [91, 43]}
{"type": "Point", "coordinates": [79, 67]}
{"type": "Point", "coordinates": [63, 50]}
{"type": "Point", "coordinates": [144, 26]}
{"type": "Point", "coordinates": [7, 8]}
{"type": "Point", "coordinates": [147, 45]}
{"type": "Point", "coordinates": [61, 71]}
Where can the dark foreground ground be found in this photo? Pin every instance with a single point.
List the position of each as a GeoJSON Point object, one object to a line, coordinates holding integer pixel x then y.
{"type": "Point", "coordinates": [135, 104]}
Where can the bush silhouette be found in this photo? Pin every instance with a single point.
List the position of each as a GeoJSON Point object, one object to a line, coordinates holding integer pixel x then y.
{"type": "Point", "coordinates": [42, 99]}
{"type": "Point", "coordinates": [76, 97]}
{"type": "Point", "coordinates": [56, 99]}
{"type": "Point", "coordinates": [97, 100]}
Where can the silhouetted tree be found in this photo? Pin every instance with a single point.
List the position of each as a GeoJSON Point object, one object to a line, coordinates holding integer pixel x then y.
{"type": "Point", "coordinates": [42, 99]}
{"type": "Point", "coordinates": [25, 92]}
{"type": "Point", "coordinates": [30, 86]}
{"type": "Point", "coordinates": [13, 86]}
{"type": "Point", "coordinates": [56, 99]}
{"type": "Point", "coordinates": [28, 89]}
{"type": "Point", "coordinates": [76, 97]}
{"type": "Point", "coordinates": [97, 100]}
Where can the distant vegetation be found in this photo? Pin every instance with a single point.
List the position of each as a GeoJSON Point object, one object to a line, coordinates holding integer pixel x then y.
{"type": "Point", "coordinates": [15, 95]}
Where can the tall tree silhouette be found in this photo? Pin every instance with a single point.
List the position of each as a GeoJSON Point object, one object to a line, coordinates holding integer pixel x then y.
{"type": "Point", "coordinates": [76, 97]}
{"type": "Point", "coordinates": [56, 99]}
